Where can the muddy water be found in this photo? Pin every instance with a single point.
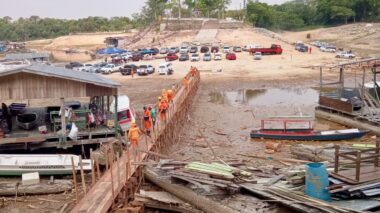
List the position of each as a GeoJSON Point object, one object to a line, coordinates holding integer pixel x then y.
{"type": "Point", "coordinates": [266, 97]}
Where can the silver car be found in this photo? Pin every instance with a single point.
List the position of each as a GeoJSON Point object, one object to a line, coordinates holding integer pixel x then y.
{"type": "Point", "coordinates": [207, 57]}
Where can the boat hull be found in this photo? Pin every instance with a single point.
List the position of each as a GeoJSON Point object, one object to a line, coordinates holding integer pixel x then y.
{"type": "Point", "coordinates": [306, 136]}
{"type": "Point", "coordinates": [11, 165]}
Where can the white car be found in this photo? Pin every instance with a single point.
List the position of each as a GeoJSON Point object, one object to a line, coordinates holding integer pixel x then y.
{"type": "Point", "coordinates": [88, 68]}
{"type": "Point", "coordinates": [345, 54]}
{"type": "Point", "coordinates": [165, 69]}
{"type": "Point", "coordinates": [257, 56]}
{"type": "Point", "coordinates": [109, 68]}
{"type": "Point", "coordinates": [218, 56]}
{"type": "Point", "coordinates": [329, 49]}
{"type": "Point", "coordinates": [195, 57]}
{"type": "Point", "coordinates": [226, 49]}
{"type": "Point", "coordinates": [183, 50]}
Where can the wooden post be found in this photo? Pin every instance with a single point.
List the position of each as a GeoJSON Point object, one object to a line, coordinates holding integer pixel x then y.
{"type": "Point", "coordinates": [82, 175]}
{"type": "Point", "coordinates": [92, 168]}
{"type": "Point", "coordinates": [377, 153]}
{"type": "Point", "coordinates": [116, 119]}
{"type": "Point", "coordinates": [363, 82]}
{"type": "Point", "coordinates": [320, 79]}
{"type": "Point", "coordinates": [336, 164]}
{"type": "Point", "coordinates": [112, 184]}
{"type": "Point", "coordinates": [74, 179]}
{"type": "Point", "coordinates": [358, 160]}
{"type": "Point", "coordinates": [107, 163]}
{"type": "Point", "coordinates": [98, 168]}
{"type": "Point", "coordinates": [63, 120]}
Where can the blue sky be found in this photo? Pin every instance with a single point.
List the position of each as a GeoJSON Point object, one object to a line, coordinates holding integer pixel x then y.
{"type": "Point", "coordinates": [73, 9]}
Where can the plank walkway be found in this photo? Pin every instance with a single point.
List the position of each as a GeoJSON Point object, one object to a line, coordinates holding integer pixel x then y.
{"type": "Point", "coordinates": [102, 194]}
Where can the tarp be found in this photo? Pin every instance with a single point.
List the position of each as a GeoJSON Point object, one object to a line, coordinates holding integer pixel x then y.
{"type": "Point", "coordinates": [111, 50]}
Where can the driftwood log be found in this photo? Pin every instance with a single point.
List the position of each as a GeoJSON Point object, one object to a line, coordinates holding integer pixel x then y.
{"type": "Point", "coordinates": [58, 186]}
{"type": "Point", "coordinates": [312, 153]}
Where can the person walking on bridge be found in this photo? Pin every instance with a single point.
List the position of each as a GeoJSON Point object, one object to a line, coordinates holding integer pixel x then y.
{"type": "Point", "coordinates": [147, 120]}
{"type": "Point", "coordinates": [134, 134]}
{"type": "Point", "coordinates": [163, 106]}
{"type": "Point", "coordinates": [153, 115]}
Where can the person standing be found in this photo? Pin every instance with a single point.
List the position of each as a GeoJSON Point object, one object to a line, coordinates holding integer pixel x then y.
{"type": "Point", "coordinates": [153, 115]}
{"type": "Point", "coordinates": [163, 106]}
{"type": "Point", "coordinates": [134, 134]}
{"type": "Point", "coordinates": [309, 50]}
{"type": "Point", "coordinates": [147, 120]}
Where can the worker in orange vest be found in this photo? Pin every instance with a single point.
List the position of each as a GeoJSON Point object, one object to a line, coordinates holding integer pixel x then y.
{"type": "Point", "coordinates": [147, 120]}
{"type": "Point", "coordinates": [134, 134]}
{"type": "Point", "coordinates": [185, 83]}
{"type": "Point", "coordinates": [162, 106]}
{"type": "Point", "coordinates": [193, 71]}
{"type": "Point", "coordinates": [164, 95]}
{"type": "Point", "coordinates": [170, 94]}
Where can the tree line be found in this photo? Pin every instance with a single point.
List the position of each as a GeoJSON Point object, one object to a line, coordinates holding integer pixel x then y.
{"type": "Point", "coordinates": [34, 27]}
{"type": "Point", "coordinates": [292, 15]}
{"type": "Point", "coordinates": [307, 13]}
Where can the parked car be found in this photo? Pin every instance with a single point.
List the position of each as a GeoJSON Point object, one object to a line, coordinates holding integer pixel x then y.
{"type": "Point", "coordinates": [195, 57]}
{"type": "Point", "coordinates": [142, 70]}
{"type": "Point", "coordinates": [257, 56]}
{"type": "Point", "coordinates": [146, 52]}
{"type": "Point", "coordinates": [151, 69]}
{"type": "Point", "coordinates": [218, 56]}
{"type": "Point", "coordinates": [154, 51]}
{"type": "Point", "coordinates": [204, 49]}
{"type": "Point", "coordinates": [237, 49]}
{"type": "Point", "coordinates": [88, 68]}
{"type": "Point", "coordinates": [297, 46]}
{"type": "Point", "coordinates": [164, 50]}
{"type": "Point", "coordinates": [109, 68]}
{"type": "Point", "coordinates": [184, 50]}
{"type": "Point", "coordinates": [207, 57]}
{"type": "Point", "coordinates": [127, 69]}
{"type": "Point", "coordinates": [193, 49]}
{"type": "Point", "coordinates": [184, 57]}
{"type": "Point", "coordinates": [231, 56]}
{"type": "Point", "coordinates": [226, 49]}
{"type": "Point", "coordinates": [71, 65]}
{"type": "Point", "coordinates": [214, 49]}
{"type": "Point", "coordinates": [345, 54]}
{"type": "Point", "coordinates": [171, 57]}
{"type": "Point", "coordinates": [137, 57]}
{"type": "Point", "coordinates": [165, 69]}
{"type": "Point", "coordinates": [173, 50]}
{"type": "Point", "coordinates": [330, 49]}
{"type": "Point", "coordinates": [98, 67]}
{"type": "Point", "coordinates": [303, 48]}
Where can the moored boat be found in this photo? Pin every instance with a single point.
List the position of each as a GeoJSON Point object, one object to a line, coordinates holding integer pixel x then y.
{"type": "Point", "coordinates": [333, 135]}
{"type": "Point", "coordinates": [304, 132]}
{"type": "Point", "coordinates": [43, 164]}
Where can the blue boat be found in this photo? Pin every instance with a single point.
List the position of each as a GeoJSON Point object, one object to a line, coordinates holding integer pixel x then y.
{"type": "Point", "coordinates": [303, 134]}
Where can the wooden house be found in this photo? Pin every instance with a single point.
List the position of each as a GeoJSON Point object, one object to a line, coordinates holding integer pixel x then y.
{"type": "Point", "coordinates": [51, 86]}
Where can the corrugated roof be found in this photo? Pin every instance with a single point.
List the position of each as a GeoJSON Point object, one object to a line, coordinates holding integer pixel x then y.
{"type": "Point", "coordinates": [59, 72]}
{"type": "Point", "coordinates": [25, 56]}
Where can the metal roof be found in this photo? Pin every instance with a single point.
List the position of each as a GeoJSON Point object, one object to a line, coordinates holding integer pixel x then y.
{"type": "Point", "coordinates": [25, 56]}
{"type": "Point", "coordinates": [60, 72]}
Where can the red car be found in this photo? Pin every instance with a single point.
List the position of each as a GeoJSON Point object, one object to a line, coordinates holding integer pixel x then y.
{"type": "Point", "coordinates": [171, 57]}
{"type": "Point", "coordinates": [231, 56]}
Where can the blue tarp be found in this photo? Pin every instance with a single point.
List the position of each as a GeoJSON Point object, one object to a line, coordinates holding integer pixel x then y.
{"type": "Point", "coordinates": [111, 50]}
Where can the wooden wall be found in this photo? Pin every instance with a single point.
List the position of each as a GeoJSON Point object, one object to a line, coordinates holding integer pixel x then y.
{"type": "Point", "coordinates": [21, 86]}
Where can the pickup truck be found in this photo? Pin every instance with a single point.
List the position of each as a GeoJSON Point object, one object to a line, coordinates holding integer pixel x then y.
{"type": "Point", "coordinates": [273, 50]}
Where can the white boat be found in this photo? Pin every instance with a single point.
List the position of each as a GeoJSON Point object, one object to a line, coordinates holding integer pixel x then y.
{"type": "Point", "coordinates": [43, 164]}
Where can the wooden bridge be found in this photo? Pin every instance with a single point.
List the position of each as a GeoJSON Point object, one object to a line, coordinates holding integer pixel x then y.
{"type": "Point", "coordinates": [124, 175]}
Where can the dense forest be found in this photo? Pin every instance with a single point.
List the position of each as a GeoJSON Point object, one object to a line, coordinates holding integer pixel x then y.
{"type": "Point", "coordinates": [292, 15]}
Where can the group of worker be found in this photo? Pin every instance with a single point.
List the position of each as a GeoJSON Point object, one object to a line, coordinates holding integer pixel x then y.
{"type": "Point", "coordinates": [164, 102]}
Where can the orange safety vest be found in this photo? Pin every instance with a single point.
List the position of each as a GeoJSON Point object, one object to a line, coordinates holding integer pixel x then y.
{"type": "Point", "coordinates": [185, 82]}
{"type": "Point", "coordinates": [134, 133]}
{"type": "Point", "coordinates": [170, 94]}
{"type": "Point", "coordinates": [163, 105]}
